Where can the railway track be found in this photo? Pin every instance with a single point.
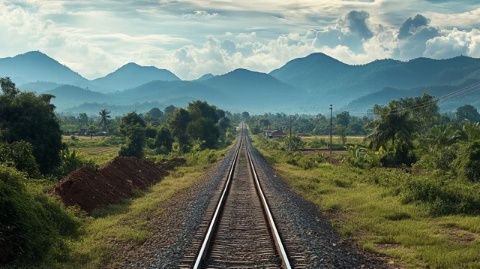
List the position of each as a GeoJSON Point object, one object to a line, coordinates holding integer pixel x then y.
{"type": "Point", "coordinates": [241, 232]}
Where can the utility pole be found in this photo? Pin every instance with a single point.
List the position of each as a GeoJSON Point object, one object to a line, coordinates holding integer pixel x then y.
{"type": "Point", "coordinates": [290, 134]}
{"type": "Point", "coordinates": [331, 127]}
{"type": "Point", "coordinates": [290, 126]}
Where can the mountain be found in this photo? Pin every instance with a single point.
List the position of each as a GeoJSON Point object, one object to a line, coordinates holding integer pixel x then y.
{"type": "Point", "coordinates": [205, 77]}
{"type": "Point", "coordinates": [68, 96]}
{"type": "Point", "coordinates": [255, 91]}
{"type": "Point", "coordinates": [169, 92]}
{"type": "Point", "coordinates": [303, 85]}
{"type": "Point", "coordinates": [39, 86]}
{"type": "Point", "coordinates": [450, 97]}
{"type": "Point", "coordinates": [237, 91]}
{"type": "Point", "coordinates": [133, 75]}
{"type": "Point", "coordinates": [35, 66]}
{"type": "Point", "coordinates": [331, 81]}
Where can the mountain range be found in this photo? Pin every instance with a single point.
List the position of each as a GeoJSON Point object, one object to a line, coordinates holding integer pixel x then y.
{"type": "Point", "coordinates": [303, 85]}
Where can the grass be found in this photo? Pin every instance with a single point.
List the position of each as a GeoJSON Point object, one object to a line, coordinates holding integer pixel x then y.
{"type": "Point", "coordinates": [129, 220]}
{"type": "Point", "coordinates": [98, 149]}
{"type": "Point", "coordinates": [366, 205]}
{"type": "Point", "coordinates": [335, 139]}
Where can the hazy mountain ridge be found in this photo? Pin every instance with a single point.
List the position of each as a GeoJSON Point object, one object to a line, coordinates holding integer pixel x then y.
{"type": "Point", "coordinates": [303, 85]}
{"type": "Point", "coordinates": [35, 66]}
{"type": "Point", "coordinates": [132, 75]}
{"type": "Point", "coordinates": [340, 83]}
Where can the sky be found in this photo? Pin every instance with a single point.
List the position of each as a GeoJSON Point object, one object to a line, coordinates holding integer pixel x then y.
{"type": "Point", "coordinates": [192, 38]}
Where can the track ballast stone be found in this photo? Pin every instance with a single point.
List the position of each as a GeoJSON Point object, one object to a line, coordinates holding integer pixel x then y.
{"type": "Point", "coordinates": [304, 228]}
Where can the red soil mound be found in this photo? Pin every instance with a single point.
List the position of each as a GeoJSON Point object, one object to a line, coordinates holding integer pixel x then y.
{"type": "Point", "coordinates": [90, 189]}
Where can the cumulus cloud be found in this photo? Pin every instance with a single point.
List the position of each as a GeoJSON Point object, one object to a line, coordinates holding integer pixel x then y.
{"type": "Point", "coordinates": [412, 25]}
{"type": "Point", "coordinates": [413, 36]}
{"type": "Point", "coordinates": [356, 22]}
{"type": "Point", "coordinates": [351, 31]}
{"type": "Point", "coordinates": [454, 43]}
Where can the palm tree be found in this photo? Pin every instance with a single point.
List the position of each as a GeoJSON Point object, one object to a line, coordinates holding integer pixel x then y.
{"type": "Point", "coordinates": [391, 126]}
{"type": "Point", "coordinates": [104, 118]}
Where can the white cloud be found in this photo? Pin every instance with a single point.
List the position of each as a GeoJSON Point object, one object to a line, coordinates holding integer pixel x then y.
{"type": "Point", "coordinates": [96, 37]}
{"type": "Point", "coordinates": [454, 43]}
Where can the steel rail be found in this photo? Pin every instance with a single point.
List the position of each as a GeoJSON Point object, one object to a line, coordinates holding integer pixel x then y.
{"type": "Point", "coordinates": [202, 254]}
{"type": "Point", "coordinates": [268, 214]}
{"type": "Point", "coordinates": [216, 215]}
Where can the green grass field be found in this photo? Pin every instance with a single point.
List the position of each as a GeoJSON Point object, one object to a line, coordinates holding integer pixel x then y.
{"type": "Point", "coordinates": [128, 221]}
{"type": "Point", "coordinates": [365, 205]}
{"type": "Point", "coordinates": [335, 139]}
{"type": "Point", "coordinates": [98, 148]}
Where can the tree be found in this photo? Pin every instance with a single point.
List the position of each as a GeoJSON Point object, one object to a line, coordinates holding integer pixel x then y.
{"type": "Point", "coordinates": [164, 140]}
{"type": "Point", "coordinates": [205, 131]}
{"type": "Point", "coordinates": [8, 87]}
{"type": "Point", "coordinates": [394, 131]}
{"type": "Point", "coordinates": [133, 128]}
{"type": "Point", "coordinates": [154, 115]}
{"type": "Point", "coordinates": [245, 115]}
{"type": "Point", "coordinates": [31, 118]}
{"type": "Point", "coordinates": [169, 111]}
{"type": "Point", "coordinates": [104, 118]}
{"type": "Point", "coordinates": [178, 124]}
{"type": "Point", "coordinates": [468, 113]}
{"type": "Point", "coordinates": [343, 119]}
{"type": "Point", "coordinates": [83, 120]}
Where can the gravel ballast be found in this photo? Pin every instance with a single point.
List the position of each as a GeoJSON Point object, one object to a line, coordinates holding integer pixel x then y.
{"type": "Point", "coordinates": [173, 230]}
{"type": "Point", "coordinates": [309, 238]}
{"type": "Point", "coordinates": [307, 233]}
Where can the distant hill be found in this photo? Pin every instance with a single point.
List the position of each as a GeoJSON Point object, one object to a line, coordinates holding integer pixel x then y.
{"type": "Point", "coordinates": [133, 75]}
{"type": "Point", "coordinates": [116, 110]}
{"type": "Point", "coordinates": [35, 66]}
{"type": "Point", "coordinates": [304, 85]}
{"type": "Point", "coordinates": [451, 97]}
{"type": "Point", "coordinates": [68, 96]}
{"type": "Point", "coordinates": [166, 91]}
{"type": "Point", "coordinates": [205, 77]}
{"type": "Point", "coordinates": [39, 86]}
{"type": "Point", "coordinates": [331, 81]}
{"type": "Point", "coordinates": [255, 91]}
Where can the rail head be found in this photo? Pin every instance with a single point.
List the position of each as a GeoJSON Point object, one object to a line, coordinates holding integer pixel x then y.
{"type": "Point", "coordinates": [218, 209]}
{"type": "Point", "coordinates": [268, 214]}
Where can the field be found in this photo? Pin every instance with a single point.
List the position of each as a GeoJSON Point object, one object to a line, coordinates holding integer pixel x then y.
{"type": "Point", "coordinates": [98, 149]}
{"type": "Point", "coordinates": [367, 205]}
{"type": "Point", "coordinates": [128, 221]}
{"type": "Point", "coordinates": [335, 139]}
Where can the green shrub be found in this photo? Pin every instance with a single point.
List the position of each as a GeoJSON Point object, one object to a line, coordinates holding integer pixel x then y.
{"type": "Point", "coordinates": [442, 159]}
{"type": "Point", "coordinates": [468, 161]}
{"type": "Point", "coordinates": [444, 197]}
{"type": "Point", "coordinates": [71, 161]}
{"type": "Point", "coordinates": [19, 155]}
{"type": "Point", "coordinates": [32, 225]}
{"type": "Point", "coordinates": [361, 157]}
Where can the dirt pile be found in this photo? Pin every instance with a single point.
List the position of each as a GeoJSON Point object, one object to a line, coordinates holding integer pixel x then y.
{"type": "Point", "coordinates": [90, 189]}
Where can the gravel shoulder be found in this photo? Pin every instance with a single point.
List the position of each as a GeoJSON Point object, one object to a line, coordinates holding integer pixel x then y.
{"type": "Point", "coordinates": [311, 240]}
{"type": "Point", "coordinates": [176, 232]}
{"type": "Point", "coordinates": [174, 228]}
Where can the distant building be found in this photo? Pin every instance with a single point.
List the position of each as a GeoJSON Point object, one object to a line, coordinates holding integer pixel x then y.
{"type": "Point", "coordinates": [274, 134]}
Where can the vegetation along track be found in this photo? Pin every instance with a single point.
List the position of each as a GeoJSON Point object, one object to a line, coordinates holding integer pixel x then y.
{"type": "Point", "coordinates": [241, 232]}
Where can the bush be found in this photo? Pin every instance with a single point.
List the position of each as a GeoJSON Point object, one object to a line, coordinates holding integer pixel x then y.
{"type": "Point", "coordinates": [71, 162]}
{"type": "Point", "coordinates": [468, 161]}
{"type": "Point", "coordinates": [305, 161]}
{"type": "Point", "coordinates": [19, 155]}
{"type": "Point", "coordinates": [401, 155]}
{"type": "Point", "coordinates": [32, 225]}
{"type": "Point", "coordinates": [440, 159]}
{"type": "Point", "coordinates": [443, 197]}
{"type": "Point", "coordinates": [361, 157]}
